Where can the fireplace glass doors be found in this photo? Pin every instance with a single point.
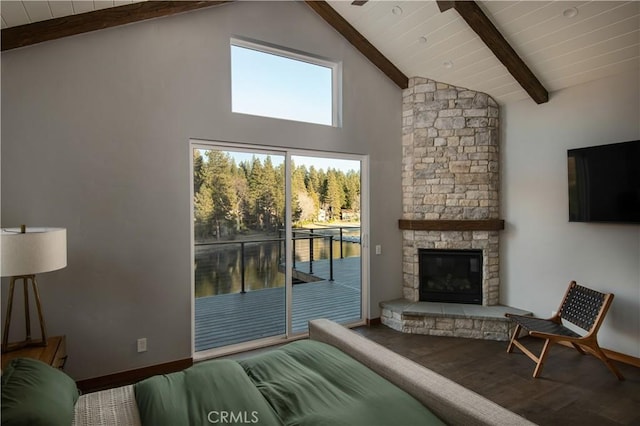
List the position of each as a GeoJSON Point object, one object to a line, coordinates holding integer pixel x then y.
{"type": "Point", "coordinates": [451, 276]}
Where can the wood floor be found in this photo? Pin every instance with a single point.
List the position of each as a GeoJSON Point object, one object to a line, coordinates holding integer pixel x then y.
{"type": "Point", "coordinates": [573, 390]}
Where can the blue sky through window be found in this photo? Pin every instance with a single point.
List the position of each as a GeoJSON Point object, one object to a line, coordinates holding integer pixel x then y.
{"type": "Point", "coordinates": [269, 85]}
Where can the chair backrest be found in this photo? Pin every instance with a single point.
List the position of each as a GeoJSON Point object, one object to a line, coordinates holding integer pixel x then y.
{"type": "Point", "coordinates": [584, 307]}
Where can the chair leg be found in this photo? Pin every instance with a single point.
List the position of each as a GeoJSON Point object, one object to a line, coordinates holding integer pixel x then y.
{"type": "Point", "coordinates": [578, 348]}
{"type": "Point", "coordinates": [514, 337]}
{"type": "Point", "coordinates": [607, 362]}
{"type": "Point", "coordinates": [543, 355]}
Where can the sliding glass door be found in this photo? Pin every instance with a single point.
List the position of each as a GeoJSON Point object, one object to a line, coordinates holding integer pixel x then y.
{"type": "Point", "coordinates": [326, 240]}
{"type": "Point", "coordinates": [276, 242]}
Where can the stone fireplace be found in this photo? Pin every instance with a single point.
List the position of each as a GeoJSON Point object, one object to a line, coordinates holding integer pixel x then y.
{"type": "Point", "coordinates": [451, 176]}
{"type": "Point", "coordinates": [451, 202]}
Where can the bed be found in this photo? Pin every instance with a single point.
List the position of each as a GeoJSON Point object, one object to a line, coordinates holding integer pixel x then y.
{"type": "Point", "coordinates": [336, 377]}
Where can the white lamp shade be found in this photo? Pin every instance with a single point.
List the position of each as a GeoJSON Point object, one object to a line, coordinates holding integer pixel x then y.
{"type": "Point", "coordinates": [36, 251]}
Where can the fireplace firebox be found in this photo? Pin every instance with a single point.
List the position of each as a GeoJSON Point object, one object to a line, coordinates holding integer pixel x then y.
{"type": "Point", "coordinates": [451, 276]}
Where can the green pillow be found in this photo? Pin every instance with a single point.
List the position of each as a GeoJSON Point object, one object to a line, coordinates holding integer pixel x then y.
{"type": "Point", "coordinates": [34, 393]}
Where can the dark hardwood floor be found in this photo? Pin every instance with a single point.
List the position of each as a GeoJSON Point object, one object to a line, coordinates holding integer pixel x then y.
{"type": "Point", "coordinates": [573, 389]}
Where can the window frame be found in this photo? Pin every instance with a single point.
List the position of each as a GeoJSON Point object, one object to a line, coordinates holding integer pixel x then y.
{"type": "Point", "coordinates": [296, 55]}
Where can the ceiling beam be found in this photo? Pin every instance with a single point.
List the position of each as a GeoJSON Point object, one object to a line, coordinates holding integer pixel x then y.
{"type": "Point", "coordinates": [341, 25]}
{"type": "Point", "coordinates": [482, 25]}
{"type": "Point", "coordinates": [51, 29]}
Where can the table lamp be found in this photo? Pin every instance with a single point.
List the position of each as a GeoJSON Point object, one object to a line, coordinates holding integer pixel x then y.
{"type": "Point", "coordinates": [25, 253]}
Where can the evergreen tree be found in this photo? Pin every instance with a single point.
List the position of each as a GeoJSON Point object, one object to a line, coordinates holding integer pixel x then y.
{"type": "Point", "coordinates": [255, 177]}
{"type": "Point", "coordinates": [197, 170]}
{"type": "Point", "coordinates": [352, 190]}
{"type": "Point", "coordinates": [278, 197]}
{"type": "Point", "coordinates": [334, 197]}
{"type": "Point", "coordinates": [299, 193]}
{"type": "Point", "coordinates": [242, 191]}
{"type": "Point", "coordinates": [215, 201]}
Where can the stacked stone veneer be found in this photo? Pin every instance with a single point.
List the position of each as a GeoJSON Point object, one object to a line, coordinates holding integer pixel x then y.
{"type": "Point", "coordinates": [488, 323]}
{"type": "Point", "coordinates": [450, 171]}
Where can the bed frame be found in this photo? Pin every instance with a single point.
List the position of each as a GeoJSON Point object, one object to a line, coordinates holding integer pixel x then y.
{"type": "Point", "coordinates": [451, 402]}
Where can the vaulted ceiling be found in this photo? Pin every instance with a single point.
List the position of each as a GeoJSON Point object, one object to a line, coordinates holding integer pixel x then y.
{"type": "Point", "coordinates": [563, 43]}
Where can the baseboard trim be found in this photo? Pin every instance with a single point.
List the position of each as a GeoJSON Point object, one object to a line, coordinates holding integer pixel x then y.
{"type": "Point", "coordinates": [613, 355]}
{"type": "Point", "coordinates": [620, 357]}
{"type": "Point", "coordinates": [374, 321]}
{"type": "Point", "coordinates": [131, 376]}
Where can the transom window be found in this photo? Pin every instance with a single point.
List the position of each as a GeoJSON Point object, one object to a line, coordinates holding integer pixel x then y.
{"type": "Point", "coordinates": [270, 81]}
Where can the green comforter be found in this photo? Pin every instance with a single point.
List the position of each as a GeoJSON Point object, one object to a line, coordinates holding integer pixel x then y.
{"type": "Point", "coordinates": [303, 383]}
{"type": "Point", "coordinates": [213, 392]}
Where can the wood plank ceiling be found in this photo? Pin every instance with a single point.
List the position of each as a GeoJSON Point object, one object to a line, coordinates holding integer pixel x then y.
{"type": "Point", "coordinates": [495, 41]}
{"type": "Point", "coordinates": [563, 43]}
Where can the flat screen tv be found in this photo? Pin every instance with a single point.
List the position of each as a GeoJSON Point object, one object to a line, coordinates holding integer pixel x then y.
{"type": "Point", "coordinates": [604, 183]}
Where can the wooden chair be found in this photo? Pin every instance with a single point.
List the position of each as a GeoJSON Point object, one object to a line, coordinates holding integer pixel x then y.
{"type": "Point", "coordinates": [581, 306]}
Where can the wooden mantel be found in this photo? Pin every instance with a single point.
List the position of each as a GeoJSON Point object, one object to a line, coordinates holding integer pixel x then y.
{"type": "Point", "coordinates": [451, 225]}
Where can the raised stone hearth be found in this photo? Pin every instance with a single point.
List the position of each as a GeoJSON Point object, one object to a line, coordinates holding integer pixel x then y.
{"type": "Point", "coordinates": [449, 319]}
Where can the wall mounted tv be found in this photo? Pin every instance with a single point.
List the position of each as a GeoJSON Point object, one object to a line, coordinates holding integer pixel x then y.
{"type": "Point", "coordinates": [604, 183]}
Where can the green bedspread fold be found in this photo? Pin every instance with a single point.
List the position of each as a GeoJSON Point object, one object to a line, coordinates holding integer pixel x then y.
{"type": "Point", "coordinates": [211, 392]}
{"type": "Point", "coordinates": [312, 383]}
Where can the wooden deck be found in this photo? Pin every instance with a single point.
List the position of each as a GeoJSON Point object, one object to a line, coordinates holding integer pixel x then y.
{"type": "Point", "coordinates": [234, 318]}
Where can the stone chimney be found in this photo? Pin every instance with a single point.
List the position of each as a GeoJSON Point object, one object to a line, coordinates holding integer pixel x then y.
{"type": "Point", "coordinates": [450, 173]}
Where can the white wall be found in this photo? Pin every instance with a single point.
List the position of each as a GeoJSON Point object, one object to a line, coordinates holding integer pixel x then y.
{"type": "Point", "coordinates": [95, 132]}
{"type": "Point", "coordinates": [541, 250]}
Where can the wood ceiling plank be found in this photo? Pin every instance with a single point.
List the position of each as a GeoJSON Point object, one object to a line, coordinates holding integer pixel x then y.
{"type": "Point", "coordinates": [392, 25]}
{"type": "Point", "coordinates": [25, 35]}
{"type": "Point", "coordinates": [61, 8]}
{"type": "Point", "coordinates": [14, 13]}
{"type": "Point", "coordinates": [590, 18]}
{"type": "Point", "coordinates": [620, 29]}
{"type": "Point", "coordinates": [599, 60]}
{"type": "Point", "coordinates": [103, 4]}
{"type": "Point", "coordinates": [581, 76]}
{"type": "Point", "coordinates": [38, 10]}
{"type": "Point", "coordinates": [489, 34]}
{"type": "Point", "coordinates": [341, 25]}
{"type": "Point", "coordinates": [80, 6]}
{"type": "Point", "coordinates": [594, 51]}
{"type": "Point", "coordinates": [520, 12]}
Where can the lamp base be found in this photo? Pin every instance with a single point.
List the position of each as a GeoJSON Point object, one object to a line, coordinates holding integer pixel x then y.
{"type": "Point", "coordinates": [28, 341]}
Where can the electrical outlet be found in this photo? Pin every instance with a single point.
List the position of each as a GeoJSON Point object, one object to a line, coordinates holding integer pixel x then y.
{"type": "Point", "coordinates": [378, 249]}
{"type": "Point", "coordinates": [142, 344]}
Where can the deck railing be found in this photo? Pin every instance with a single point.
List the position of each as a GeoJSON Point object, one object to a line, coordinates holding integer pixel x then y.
{"type": "Point", "coordinates": [341, 237]}
{"type": "Point", "coordinates": [308, 235]}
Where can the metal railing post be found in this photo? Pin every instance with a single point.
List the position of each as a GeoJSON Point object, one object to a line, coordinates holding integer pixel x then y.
{"type": "Point", "coordinates": [242, 266]}
{"type": "Point", "coordinates": [293, 243]}
{"type": "Point", "coordinates": [311, 252]}
{"type": "Point", "coordinates": [330, 257]}
{"type": "Point", "coordinates": [341, 256]}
